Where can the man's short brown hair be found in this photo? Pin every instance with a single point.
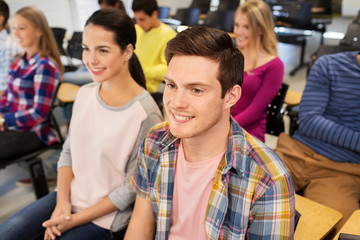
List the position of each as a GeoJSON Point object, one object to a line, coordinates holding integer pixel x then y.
{"type": "Point", "coordinates": [213, 44]}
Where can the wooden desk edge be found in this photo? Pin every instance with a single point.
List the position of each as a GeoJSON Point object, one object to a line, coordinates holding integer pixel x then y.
{"type": "Point", "coordinates": [354, 220]}
{"type": "Point", "coordinates": [67, 92]}
{"type": "Point", "coordinates": [292, 98]}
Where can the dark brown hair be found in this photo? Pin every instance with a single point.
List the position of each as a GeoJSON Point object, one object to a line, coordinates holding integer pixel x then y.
{"type": "Point", "coordinates": [118, 22]}
{"type": "Point", "coordinates": [213, 44]}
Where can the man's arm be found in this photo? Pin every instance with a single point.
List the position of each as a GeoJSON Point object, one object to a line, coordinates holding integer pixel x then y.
{"type": "Point", "coordinates": [314, 102]}
{"type": "Point", "coordinates": [273, 213]}
{"type": "Point", "coordinates": [142, 223]}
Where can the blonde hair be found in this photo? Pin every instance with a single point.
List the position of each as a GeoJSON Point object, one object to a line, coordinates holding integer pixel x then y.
{"type": "Point", "coordinates": [260, 19]}
{"type": "Point", "coordinates": [47, 44]}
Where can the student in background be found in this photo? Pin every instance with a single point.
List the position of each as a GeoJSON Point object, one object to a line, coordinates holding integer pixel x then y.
{"type": "Point", "coordinates": [323, 155]}
{"type": "Point", "coordinates": [153, 36]}
{"type": "Point", "coordinates": [8, 47]}
{"type": "Point", "coordinates": [112, 3]}
{"type": "Point", "coordinates": [31, 84]}
{"type": "Point", "coordinates": [111, 116]}
{"type": "Point", "coordinates": [264, 71]}
{"type": "Point", "coordinates": [200, 175]}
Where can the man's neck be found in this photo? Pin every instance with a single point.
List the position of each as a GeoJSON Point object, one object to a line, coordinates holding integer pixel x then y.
{"type": "Point", "coordinates": [206, 145]}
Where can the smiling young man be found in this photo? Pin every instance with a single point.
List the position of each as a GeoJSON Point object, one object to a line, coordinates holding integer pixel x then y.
{"type": "Point", "coordinates": [200, 175]}
{"type": "Point", "coordinates": [152, 37]}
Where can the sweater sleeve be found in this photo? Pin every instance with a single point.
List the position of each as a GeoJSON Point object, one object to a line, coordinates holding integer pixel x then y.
{"type": "Point", "coordinates": [124, 195]}
{"type": "Point", "coordinates": [312, 122]}
{"type": "Point", "coordinates": [273, 78]}
{"type": "Point", "coordinates": [3, 100]}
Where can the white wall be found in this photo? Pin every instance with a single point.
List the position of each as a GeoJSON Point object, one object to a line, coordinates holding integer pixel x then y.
{"type": "Point", "coordinates": [350, 8]}
{"type": "Point", "coordinates": [173, 4]}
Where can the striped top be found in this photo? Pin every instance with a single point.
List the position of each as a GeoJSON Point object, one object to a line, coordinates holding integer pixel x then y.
{"type": "Point", "coordinates": [26, 102]}
{"type": "Point", "coordinates": [330, 108]}
{"type": "Point", "coordinates": [252, 195]}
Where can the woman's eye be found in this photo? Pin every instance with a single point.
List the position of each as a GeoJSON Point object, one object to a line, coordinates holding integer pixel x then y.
{"type": "Point", "coordinates": [104, 51]}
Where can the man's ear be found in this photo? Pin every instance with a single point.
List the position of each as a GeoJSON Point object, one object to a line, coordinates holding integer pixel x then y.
{"type": "Point", "coordinates": [155, 14]}
{"type": "Point", "coordinates": [232, 96]}
{"type": "Point", "coordinates": [2, 18]}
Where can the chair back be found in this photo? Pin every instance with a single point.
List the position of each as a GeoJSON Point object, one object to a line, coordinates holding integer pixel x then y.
{"type": "Point", "coordinates": [204, 5]}
{"type": "Point", "coordinates": [221, 19]}
{"type": "Point", "coordinates": [274, 113]}
{"type": "Point", "coordinates": [163, 12]}
{"type": "Point", "coordinates": [228, 4]}
{"type": "Point", "coordinates": [292, 14]}
{"type": "Point", "coordinates": [74, 47]}
{"type": "Point", "coordinates": [188, 16]}
{"type": "Point", "coordinates": [59, 35]}
{"type": "Point", "coordinates": [352, 36]}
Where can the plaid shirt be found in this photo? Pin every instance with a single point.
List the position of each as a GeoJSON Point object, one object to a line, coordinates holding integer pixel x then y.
{"type": "Point", "coordinates": [8, 50]}
{"type": "Point", "coordinates": [26, 102]}
{"type": "Point", "coordinates": [252, 195]}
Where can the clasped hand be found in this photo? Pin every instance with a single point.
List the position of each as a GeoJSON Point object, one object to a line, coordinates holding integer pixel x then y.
{"type": "Point", "coordinates": [61, 220]}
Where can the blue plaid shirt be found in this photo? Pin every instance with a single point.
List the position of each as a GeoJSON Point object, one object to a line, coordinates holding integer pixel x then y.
{"type": "Point", "coordinates": [252, 195]}
{"type": "Point", "coordinates": [26, 102]}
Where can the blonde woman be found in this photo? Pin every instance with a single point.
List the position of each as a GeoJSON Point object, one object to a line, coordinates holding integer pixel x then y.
{"type": "Point", "coordinates": [30, 86]}
{"type": "Point", "coordinates": [264, 71]}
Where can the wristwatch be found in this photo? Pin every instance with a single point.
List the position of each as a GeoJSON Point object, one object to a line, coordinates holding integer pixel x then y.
{"type": "Point", "coordinates": [2, 121]}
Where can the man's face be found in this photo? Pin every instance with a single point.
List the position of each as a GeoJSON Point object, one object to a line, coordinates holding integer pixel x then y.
{"type": "Point", "coordinates": [145, 21]}
{"type": "Point", "coordinates": [192, 98]}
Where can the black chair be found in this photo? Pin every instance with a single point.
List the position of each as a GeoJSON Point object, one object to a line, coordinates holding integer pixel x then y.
{"type": "Point", "coordinates": [163, 12]}
{"type": "Point", "coordinates": [188, 16]}
{"type": "Point", "coordinates": [352, 36]}
{"type": "Point", "coordinates": [158, 97]}
{"type": "Point", "coordinates": [33, 159]}
{"type": "Point", "coordinates": [221, 19]}
{"type": "Point", "coordinates": [59, 35]}
{"type": "Point", "coordinates": [274, 112]}
{"type": "Point", "coordinates": [203, 5]}
{"type": "Point", "coordinates": [74, 50]}
{"type": "Point", "coordinates": [228, 4]}
{"type": "Point", "coordinates": [293, 15]}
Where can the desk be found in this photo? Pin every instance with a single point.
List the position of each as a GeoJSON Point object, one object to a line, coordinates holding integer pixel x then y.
{"type": "Point", "coordinates": [67, 92]}
{"type": "Point", "coordinates": [292, 98]}
{"type": "Point", "coordinates": [316, 220]}
{"type": "Point", "coordinates": [352, 225]}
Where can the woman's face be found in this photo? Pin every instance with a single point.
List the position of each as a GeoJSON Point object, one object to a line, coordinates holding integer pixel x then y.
{"type": "Point", "coordinates": [242, 30]}
{"type": "Point", "coordinates": [102, 55]}
{"type": "Point", "coordinates": [27, 35]}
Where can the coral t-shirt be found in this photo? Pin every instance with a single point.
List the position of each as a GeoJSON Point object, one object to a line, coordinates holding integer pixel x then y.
{"type": "Point", "coordinates": [192, 188]}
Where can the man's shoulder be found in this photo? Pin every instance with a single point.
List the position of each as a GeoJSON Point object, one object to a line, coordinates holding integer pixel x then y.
{"type": "Point", "coordinates": [261, 157]}
{"type": "Point", "coordinates": [157, 132]}
{"type": "Point", "coordinates": [166, 30]}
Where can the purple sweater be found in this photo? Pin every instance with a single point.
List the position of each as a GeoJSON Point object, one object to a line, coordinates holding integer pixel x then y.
{"type": "Point", "coordinates": [258, 90]}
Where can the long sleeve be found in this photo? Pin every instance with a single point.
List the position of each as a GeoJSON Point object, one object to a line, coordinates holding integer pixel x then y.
{"type": "Point", "coordinates": [124, 195]}
{"type": "Point", "coordinates": [273, 213]}
{"type": "Point", "coordinates": [320, 111]}
{"type": "Point", "coordinates": [272, 80]}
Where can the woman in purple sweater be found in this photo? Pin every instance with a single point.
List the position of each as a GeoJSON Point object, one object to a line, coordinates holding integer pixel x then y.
{"type": "Point", "coordinates": [264, 71]}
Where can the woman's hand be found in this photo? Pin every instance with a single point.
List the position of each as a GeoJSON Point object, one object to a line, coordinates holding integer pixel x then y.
{"type": "Point", "coordinates": [2, 125]}
{"type": "Point", "coordinates": [59, 221]}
